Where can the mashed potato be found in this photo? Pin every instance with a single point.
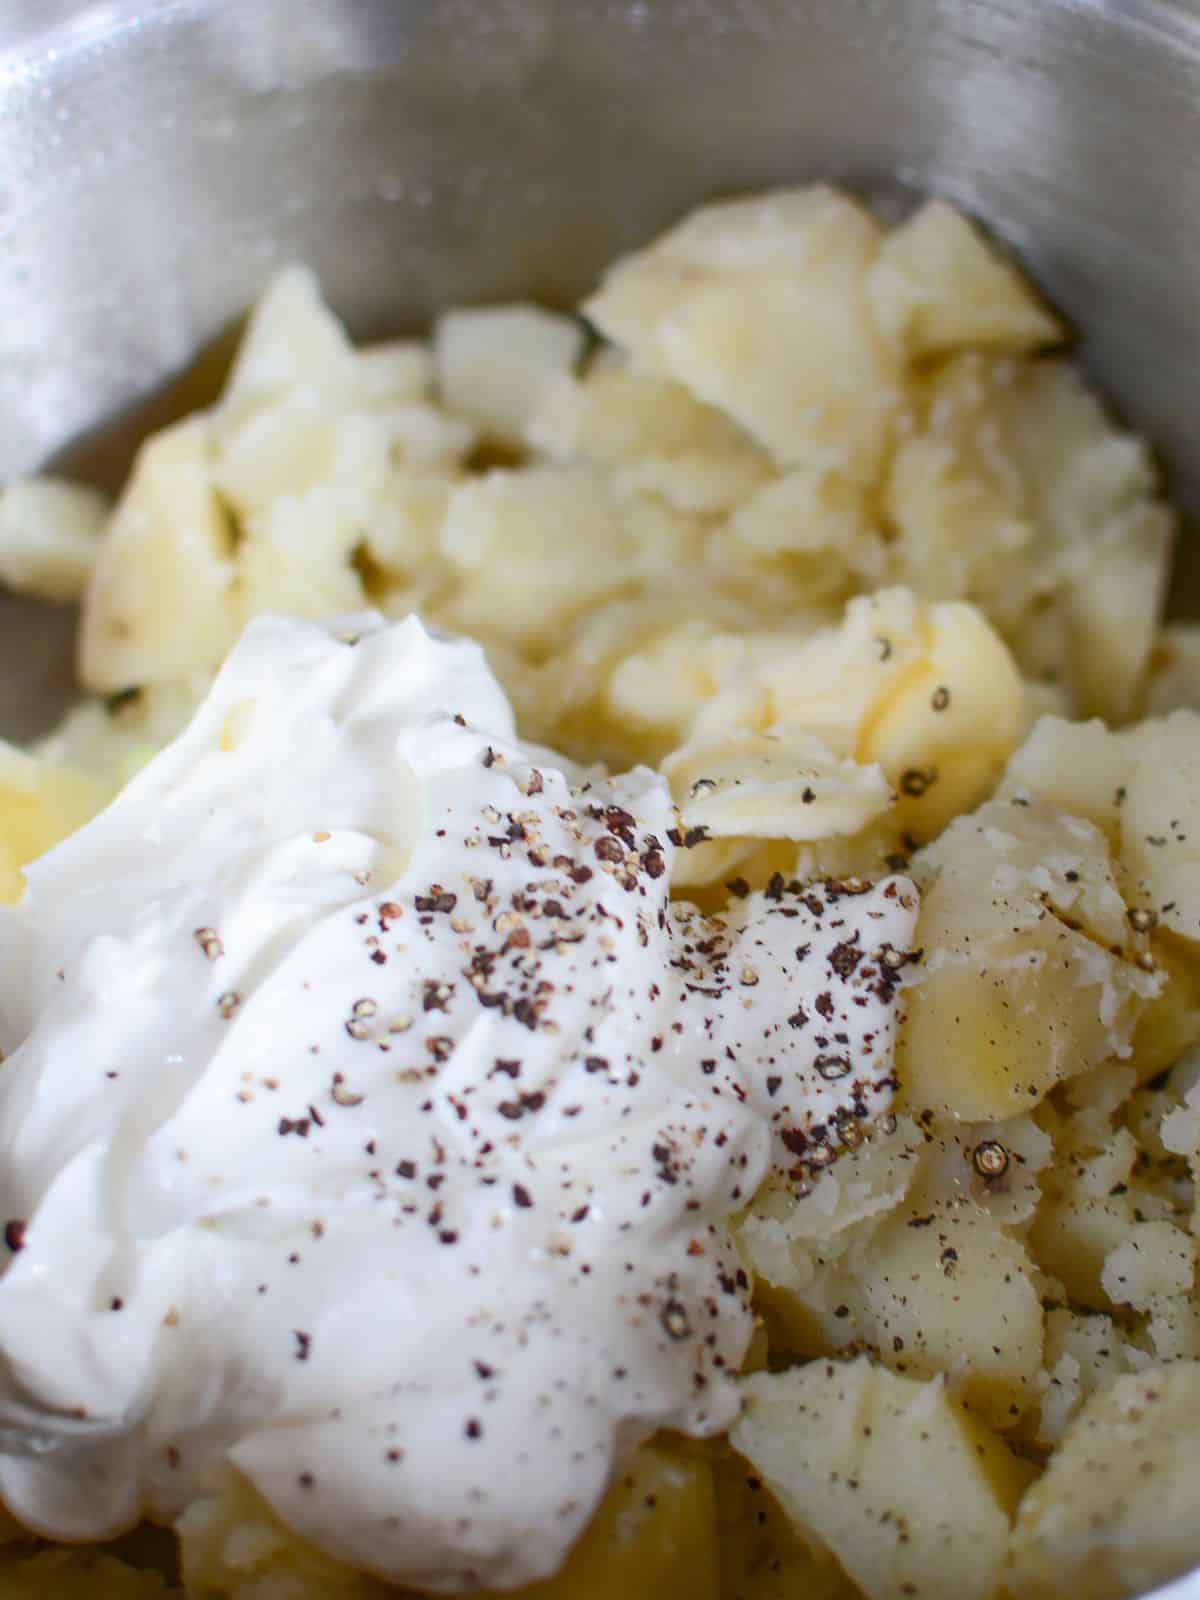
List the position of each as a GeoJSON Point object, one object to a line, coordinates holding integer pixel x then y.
{"type": "Point", "coordinates": [820, 523]}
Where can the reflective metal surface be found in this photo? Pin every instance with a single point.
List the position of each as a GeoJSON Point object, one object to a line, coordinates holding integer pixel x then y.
{"type": "Point", "coordinates": [156, 159]}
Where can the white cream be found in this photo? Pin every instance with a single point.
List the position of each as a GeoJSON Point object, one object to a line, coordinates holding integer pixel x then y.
{"type": "Point", "coordinates": [371, 1118]}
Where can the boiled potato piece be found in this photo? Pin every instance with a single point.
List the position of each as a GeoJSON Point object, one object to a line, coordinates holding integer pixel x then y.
{"type": "Point", "coordinates": [159, 604]}
{"type": "Point", "coordinates": [759, 307]}
{"type": "Point", "coordinates": [296, 558]}
{"type": "Point", "coordinates": [809, 537]}
{"type": "Point", "coordinates": [909, 1493]}
{"type": "Point", "coordinates": [292, 340]}
{"type": "Point", "coordinates": [655, 1528]}
{"type": "Point", "coordinates": [80, 1575]}
{"type": "Point", "coordinates": [762, 1555]}
{"type": "Point", "coordinates": [1140, 787]}
{"type": "Point", "coordinates": [1173, 1327]}
{"type": "Point", "coordinates": [396, 372]}
{"type": "Point", "coordinates": [493, 363]}
{"type": "Point", "coordinates": [1094, 491]}
{"type": "Point", "coordinates": [1113, 606]}
{"type": "Point", "coordinates": [783, 1231]}
{"type": "Point", "coordinates": [405, 525]}
{"type": "Point", "coordinates": [1088, 1212]}
{"type": "Point", "coordinates": [944, 734]}
{"type": "Point", "coordinates": [41, 802]}
{"type": "Point", "coordinates": [924, 697]}
{"type": "Point", "coordinates": [1025, 979]}
{"type": "Point", "coordinates": [1114, 1515]}
{"type": "Point", "coordinates": [532, 549]}
{"type": "Point", "coordinates": [50, 532]}
{"type": "Point", "coordinates": [783, 784]}
{"type": "Point", "coordinates": [296, 444]}
{"type": "Point", "coordinates": [1174, 682]}
{"type": "Point", "coordinates": [948, 1291]}
{"type": "Point", "coordinates": [1156, 1262]}
{"type": "Point", "coordinates": [1016, 492]}
{"type": "Point", "coordinates": [1083, 1353]}
{"type": "Point", "coordinates": [1160, 821]}
{"type": "Point", "coordinates": [939, 286]}
{"type": "Point", "coordinates": [1079, 767]}
{"type": "Point", "coordinates": [656, 1531]}
{"type": "Point", "coordinates": [231, 1542]}
{"type": "Point", "coordinates": [654, 436]}
{"type": "Point", "coordinates": [931, 1292]}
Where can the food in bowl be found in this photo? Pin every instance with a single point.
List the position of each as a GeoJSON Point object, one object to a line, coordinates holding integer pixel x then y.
{"type": "Point", "coordinates": [434, 1160]}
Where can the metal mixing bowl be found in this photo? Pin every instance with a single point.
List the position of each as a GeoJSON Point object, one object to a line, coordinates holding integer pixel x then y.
{"type": "Point", "coordinates": [157, 158]}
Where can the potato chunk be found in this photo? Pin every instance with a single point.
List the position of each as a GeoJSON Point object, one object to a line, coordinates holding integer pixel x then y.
{"type": "Point", "coordinates": [1115, 1513]}
{"type": "Point", "coordinates": [1016, 492]}
{"type": "Point", "coordinates": [653, 435]}
{"type": "Point", "coordinates": [1160, 821]}
{"type": "Point", "coordinates": [159, 604]}
{"type": "Point", "coordinates": [50, 532]}
{"type": "Point", "coordinates": [494, 362]}
{"type": "Point", "coordinates": [1020, 987]}
{"type": "Point", "coordinates": [939, 286]}
{"type": "Point", "coordinates": [532, 549]}
{"type": "Point", "coordinates": [759, 307]}
{"type": "Point", "coordinates": [828, 1439]}
{"type": "Point", "coordinates": [656, 1528]}
{"type": "Point", "coordinates": [41, 802]}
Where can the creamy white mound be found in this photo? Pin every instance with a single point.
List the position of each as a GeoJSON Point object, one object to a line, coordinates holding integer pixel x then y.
{"type": "Point", "coordinates": [372, 1119]}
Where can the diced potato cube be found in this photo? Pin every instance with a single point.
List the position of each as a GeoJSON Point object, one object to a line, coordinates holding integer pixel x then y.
{"type": "Point", "coordinates": [231, 1542]}
{"type": "Point", "coordinates": [763, 1557]}
{"type": "Point", "coordinates": [295, 444]}
{"type": "Point", "coordinates": [1079, 767]}
{"type": "Point", "coordinates": [403, 532]}
{"type": "Point", "coordinates": [808, 537]}
{"type": "Point", "coordinates": [656, 1531]}
{"type": "Point", "coordinates": [493, 363]}
{"type": "Point", "coordinates": [944, 734]}
{"type": "Point", "coordinates": [1020, 985]}
{"type": "Point", "coordinates": [159, 605]}
{"type": "Point", "coordinates": [292, 340]}
{"type": "Point", "coordinates": [50, 532]}
{"type": "Point", "coordinates": [945, 1290]}
{"type": "Point", "coordinates": [654, 436]}
{"type": "Point", "coordinates": [939, 286]}
{"type": "Point", "coordinates": [786, 784]}
{"type": "Point", "coordinates": [41, 802]}
{"type": "Point", "coordinates": [394, 373]}
{"type": "Point", "coordinates": [993, 1169]}
{"type": "Point", "coordinates": [909, 1493]}
{"type": "Point", "coordinates": [425, 438]}
{"type": "Point", "coordinates": [296, 558]}
{"type": "Point", "coordinates": [655, 1528]}
{"type": "Point", "coordinates": [1160, 822]}
{"type": "Point", "coordinates": [759, 307]}
{"type": "Point", "coordinates": [1114, 605]}
{"type": "Point", "coordinates": [1114, 1514]}
{"type": "Point", "coordinates": [1077, 1229]}
{"type": "Point", "coordinates": [1173, 1327]}
{"type": "Point", "coordinates": [779, 1232]}
{"type": "Point", "coordinates": [1016, 492]}
{"type": "Point", "coordinates": [1174, 682]}
{"type": "Point", "coordinates": [1083, 1353]}
{"type": "Point", "coordinates": [1156, 1261]}
{"type": "Point", "coordinates": [532, 549]}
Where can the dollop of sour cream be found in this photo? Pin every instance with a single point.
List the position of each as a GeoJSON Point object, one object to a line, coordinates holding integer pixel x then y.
{"type": "Point", "coordinates": [371, 1118]}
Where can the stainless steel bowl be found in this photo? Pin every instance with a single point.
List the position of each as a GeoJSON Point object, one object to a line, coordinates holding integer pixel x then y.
{"type": "Point", "coordinates": [157, 158]}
